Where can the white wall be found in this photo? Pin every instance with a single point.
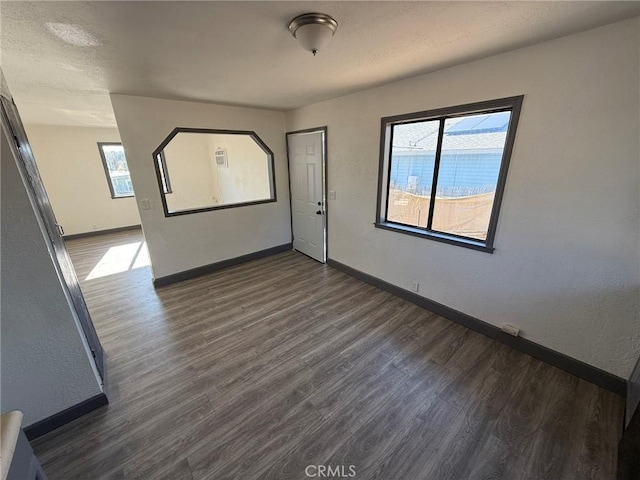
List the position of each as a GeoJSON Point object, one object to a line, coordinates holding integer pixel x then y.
{"type": "Point", "coordinates": [46, 366]}
{"type": "Point", "coordinates": [566, 268]}
{"type": "Point", "coordinates": [188, 241]}
{"type": "Point", "coordinates": [246, 179]}
{"type": "Point", "coordinates": [72, 171]}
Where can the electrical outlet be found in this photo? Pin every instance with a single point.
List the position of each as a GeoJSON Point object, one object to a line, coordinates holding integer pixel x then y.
{"type": "Point", "coordinates": [94, 226]}
{"type": "Point", "coordinates": [415, 286]}
{"type": "Point", "coordinates": [332, 194]}
{"type": "Point", "coordinates": [145, 204]}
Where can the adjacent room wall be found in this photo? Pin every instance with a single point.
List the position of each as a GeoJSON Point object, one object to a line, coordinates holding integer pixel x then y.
{"type": "Point", "coordinates": [198, 182]}
{"type": "Point", "coordinates": [246, 178]}
{"type": "Point", "coordinates": [46, 364]}
{"type": "Point", "coordinates": [189, 170]}
{"type": "Point", "coordinates": [184, 242]}
{"type": "Point", "coordinates": [72, 171]}
{"type": "Point", "coordinates": [566, 268]}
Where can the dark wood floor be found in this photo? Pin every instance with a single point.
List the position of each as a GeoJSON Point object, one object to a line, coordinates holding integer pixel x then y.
{"type": "Point", "coordinates": [260, 370]}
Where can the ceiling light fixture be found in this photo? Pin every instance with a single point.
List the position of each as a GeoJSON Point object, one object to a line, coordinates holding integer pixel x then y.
{"type": "Point", "coordinates": [313, 30]}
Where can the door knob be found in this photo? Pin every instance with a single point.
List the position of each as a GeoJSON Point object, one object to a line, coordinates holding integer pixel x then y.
{"type": "Point", "coordinates": [319, 212]}
{"type": "Point", "coordinates": [319, 204]}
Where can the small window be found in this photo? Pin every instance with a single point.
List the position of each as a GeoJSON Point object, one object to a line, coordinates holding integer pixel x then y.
{"type": "Point", "coordinates": [442, 172]}
{"type": "Point", "coordinates": [116, 169]}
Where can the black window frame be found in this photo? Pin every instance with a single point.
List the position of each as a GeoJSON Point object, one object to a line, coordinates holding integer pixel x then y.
{"type": "Point", "coordinates": [263, 146]}
{"type": "Point", "coordinates": [106, 169]}
{"type": "Point", "coordinates": [512, 104]}
{"type": "Point", "coordinates": [164, 173]}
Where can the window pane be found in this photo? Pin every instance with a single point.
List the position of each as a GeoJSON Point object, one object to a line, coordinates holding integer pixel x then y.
{"type": "Point", "coordinates": [118, 170]}
{"type": "Point", "coordinates": [209, 169]}
{"type": "Point", "coordinates": [413, 154]}
{"type": "Point", "coordinates": [472, 148]}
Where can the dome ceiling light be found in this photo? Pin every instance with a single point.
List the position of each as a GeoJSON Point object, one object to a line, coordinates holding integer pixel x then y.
{"type": "Point", "coordinates": [313, 30]}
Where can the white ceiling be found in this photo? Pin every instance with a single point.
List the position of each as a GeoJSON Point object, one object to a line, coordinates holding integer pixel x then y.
{"type": "Point", "coordinates": [241, 52]}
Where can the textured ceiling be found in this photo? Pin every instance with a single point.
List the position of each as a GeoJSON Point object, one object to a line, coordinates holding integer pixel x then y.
{"type": "Point", "coordinates": [61, 59]}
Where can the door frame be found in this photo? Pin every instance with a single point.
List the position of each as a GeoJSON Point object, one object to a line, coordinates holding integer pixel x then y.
{"type": "Point", "coordinates": [51, 231]}
{"type": "Point", "coordinates": [325, 182]}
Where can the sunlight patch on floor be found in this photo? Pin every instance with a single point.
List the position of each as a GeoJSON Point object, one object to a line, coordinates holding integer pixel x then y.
{"type": "Point", "coordinates": [120, 259]}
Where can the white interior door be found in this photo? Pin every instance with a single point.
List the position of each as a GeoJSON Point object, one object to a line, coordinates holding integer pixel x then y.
{"type": "Point", "coordinates": [306, 176]}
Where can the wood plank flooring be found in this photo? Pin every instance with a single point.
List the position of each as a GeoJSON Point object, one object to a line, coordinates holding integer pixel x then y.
{"type": "Point", "coordinates": [260, 370]}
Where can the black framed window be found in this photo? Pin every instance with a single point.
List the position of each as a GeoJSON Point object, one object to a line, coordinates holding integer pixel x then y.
{"type": "Point", "coordinates": [442, 172]}
{"type": "Point", "coordinates": [210, 169]}
{"type": "Point", "coordinates": [116, 169]}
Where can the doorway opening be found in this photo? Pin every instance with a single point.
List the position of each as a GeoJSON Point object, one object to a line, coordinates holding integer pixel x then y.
{"type": "Point", "coordinates": [68, 178]}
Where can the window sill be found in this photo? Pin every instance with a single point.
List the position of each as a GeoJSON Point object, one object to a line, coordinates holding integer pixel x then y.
{"type": "Point", "coordinates": [175, 213]}
{"type": "Point", "coordinates": [438, 237]}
